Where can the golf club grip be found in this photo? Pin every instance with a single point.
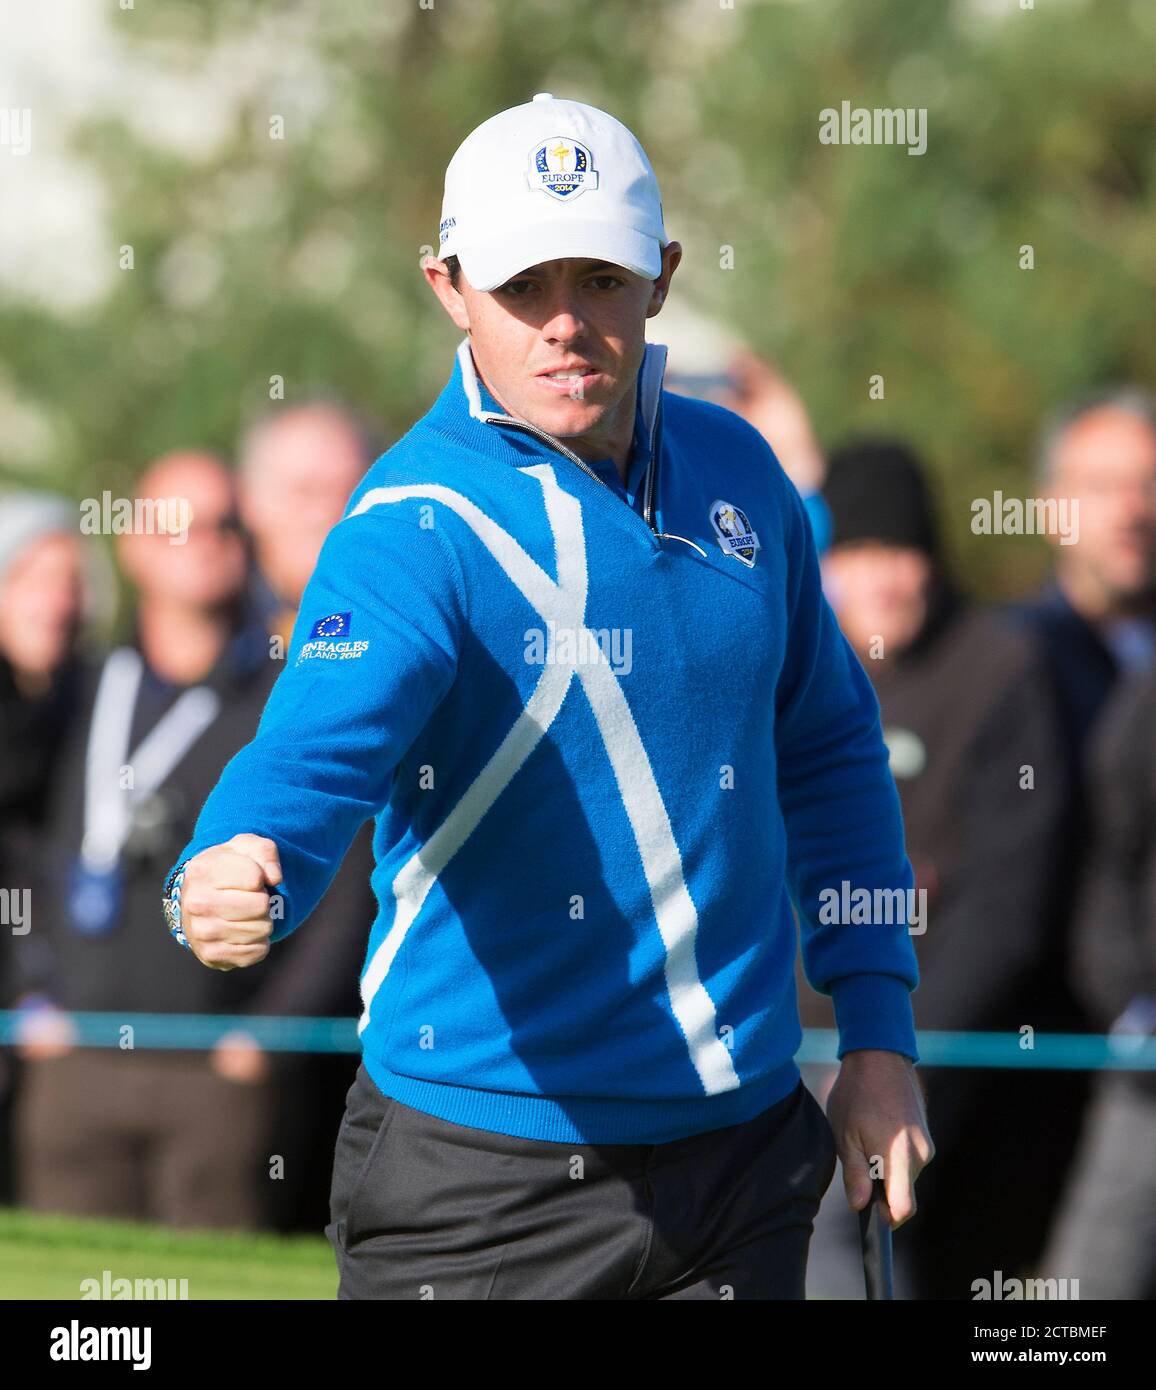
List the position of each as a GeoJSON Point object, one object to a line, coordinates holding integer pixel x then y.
{"type": "Point", "coordinates": [875, 1236]}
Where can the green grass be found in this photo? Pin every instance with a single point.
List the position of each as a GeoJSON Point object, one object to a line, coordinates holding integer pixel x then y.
{"type": "Point", "coordinates": [49, 1256]}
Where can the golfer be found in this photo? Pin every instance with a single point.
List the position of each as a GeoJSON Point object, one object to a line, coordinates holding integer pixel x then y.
{"type": "Point", "coordinates": [568, 649]}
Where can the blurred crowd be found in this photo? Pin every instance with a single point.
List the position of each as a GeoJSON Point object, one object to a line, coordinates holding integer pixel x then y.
{"type": "Point", "coordinates": [107, 756]}
{"type": "Point", "coordinates": [1022, 738]}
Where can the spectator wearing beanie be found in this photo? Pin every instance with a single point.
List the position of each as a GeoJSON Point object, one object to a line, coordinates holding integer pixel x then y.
{"type": "Point", "coordinates": [966, 709]}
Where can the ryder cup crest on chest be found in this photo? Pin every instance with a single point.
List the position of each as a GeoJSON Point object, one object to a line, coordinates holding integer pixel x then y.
{"type": "Point", "coordinates": [733, 531]}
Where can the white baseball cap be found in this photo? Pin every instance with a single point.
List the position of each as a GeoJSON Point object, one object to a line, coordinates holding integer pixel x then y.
{"type": "Point", "coordinates": [548, 179]}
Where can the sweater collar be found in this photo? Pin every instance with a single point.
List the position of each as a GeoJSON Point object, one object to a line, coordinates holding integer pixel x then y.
{"type": "Point", "coordinates": [467, 411]}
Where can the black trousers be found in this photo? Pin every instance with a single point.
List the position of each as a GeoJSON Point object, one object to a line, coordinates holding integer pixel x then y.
{"type": "Point", "coordinates": [421, 1208]}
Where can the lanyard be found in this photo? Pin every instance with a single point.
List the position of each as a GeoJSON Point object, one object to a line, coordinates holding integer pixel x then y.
{"type": "Point", "coordinates": [108, 808]}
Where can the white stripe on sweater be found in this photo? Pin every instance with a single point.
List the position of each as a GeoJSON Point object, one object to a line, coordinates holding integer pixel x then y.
{"type": "Point", "coordinates": [564, 603]}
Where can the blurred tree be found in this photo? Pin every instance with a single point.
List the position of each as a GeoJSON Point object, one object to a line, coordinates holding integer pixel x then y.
{"type": "Point", "coordinates": [281, 239]}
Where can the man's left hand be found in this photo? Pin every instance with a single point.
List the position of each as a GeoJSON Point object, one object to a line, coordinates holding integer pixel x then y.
{"type": "Point", "coordinates": [876, 1110]}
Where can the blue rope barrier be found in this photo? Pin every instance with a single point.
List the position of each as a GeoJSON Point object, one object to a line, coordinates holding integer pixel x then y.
{"type": "Point", "coordinates": [194, 1031]}
{"type": "Point", "coordinates": [1051, 1051]}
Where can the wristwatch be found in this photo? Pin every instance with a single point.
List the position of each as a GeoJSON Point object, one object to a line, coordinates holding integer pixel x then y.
{"type": "Point", "coordinates": [172, 903]}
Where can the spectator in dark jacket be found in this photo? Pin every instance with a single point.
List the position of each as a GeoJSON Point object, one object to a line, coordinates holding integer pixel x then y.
{"type": "Point", "coordinates": [41, 602]}
{"type": "Point", "coordinates": [51, 587]}
{"type": "Point", "coordinates": [1105, 1235]}
{"type": "Point", "coordinates": [971, 727]}
{"type": "Point", "coordinates": [1097, 615]}
{"type": "Point", "coordinates": [298, 465]}
{"type": "Point", "coordinates": [177, 1136]}
{"type": "Point", "coordinates": [1096, 618]}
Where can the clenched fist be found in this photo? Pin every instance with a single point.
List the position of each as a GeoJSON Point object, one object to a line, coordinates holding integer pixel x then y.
{"type": "Point", "coordinates": [225, 907]}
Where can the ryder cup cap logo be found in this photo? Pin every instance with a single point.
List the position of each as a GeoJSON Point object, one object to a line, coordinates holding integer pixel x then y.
{"type": "Point", "coordinates": [335, 625]}
{"type": "Point", "coordinates": [735, 534]}
{"type": "Point", "coordinates": [562, 167]}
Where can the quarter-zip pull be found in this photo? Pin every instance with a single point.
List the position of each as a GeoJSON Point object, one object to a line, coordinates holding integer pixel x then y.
{"type": "Point", "coordinates": [491, 419]}
{"type": "Point", "coordinates": [670, 536]}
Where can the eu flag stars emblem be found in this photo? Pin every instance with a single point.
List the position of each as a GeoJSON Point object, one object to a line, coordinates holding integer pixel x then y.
{"type": "Point", "coordinates": [734, 532]}
{"type": "Point", "coordinates": [335, 625]}
{"type": "Point", "coordinates": [561, 167]}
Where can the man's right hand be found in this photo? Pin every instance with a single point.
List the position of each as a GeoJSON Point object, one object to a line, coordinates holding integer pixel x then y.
{"type": "Point", "coordinates": [225, 908]}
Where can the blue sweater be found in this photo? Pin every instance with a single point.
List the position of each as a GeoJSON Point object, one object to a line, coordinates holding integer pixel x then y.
{"type": "Point", "coordinates": [601, 762]}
